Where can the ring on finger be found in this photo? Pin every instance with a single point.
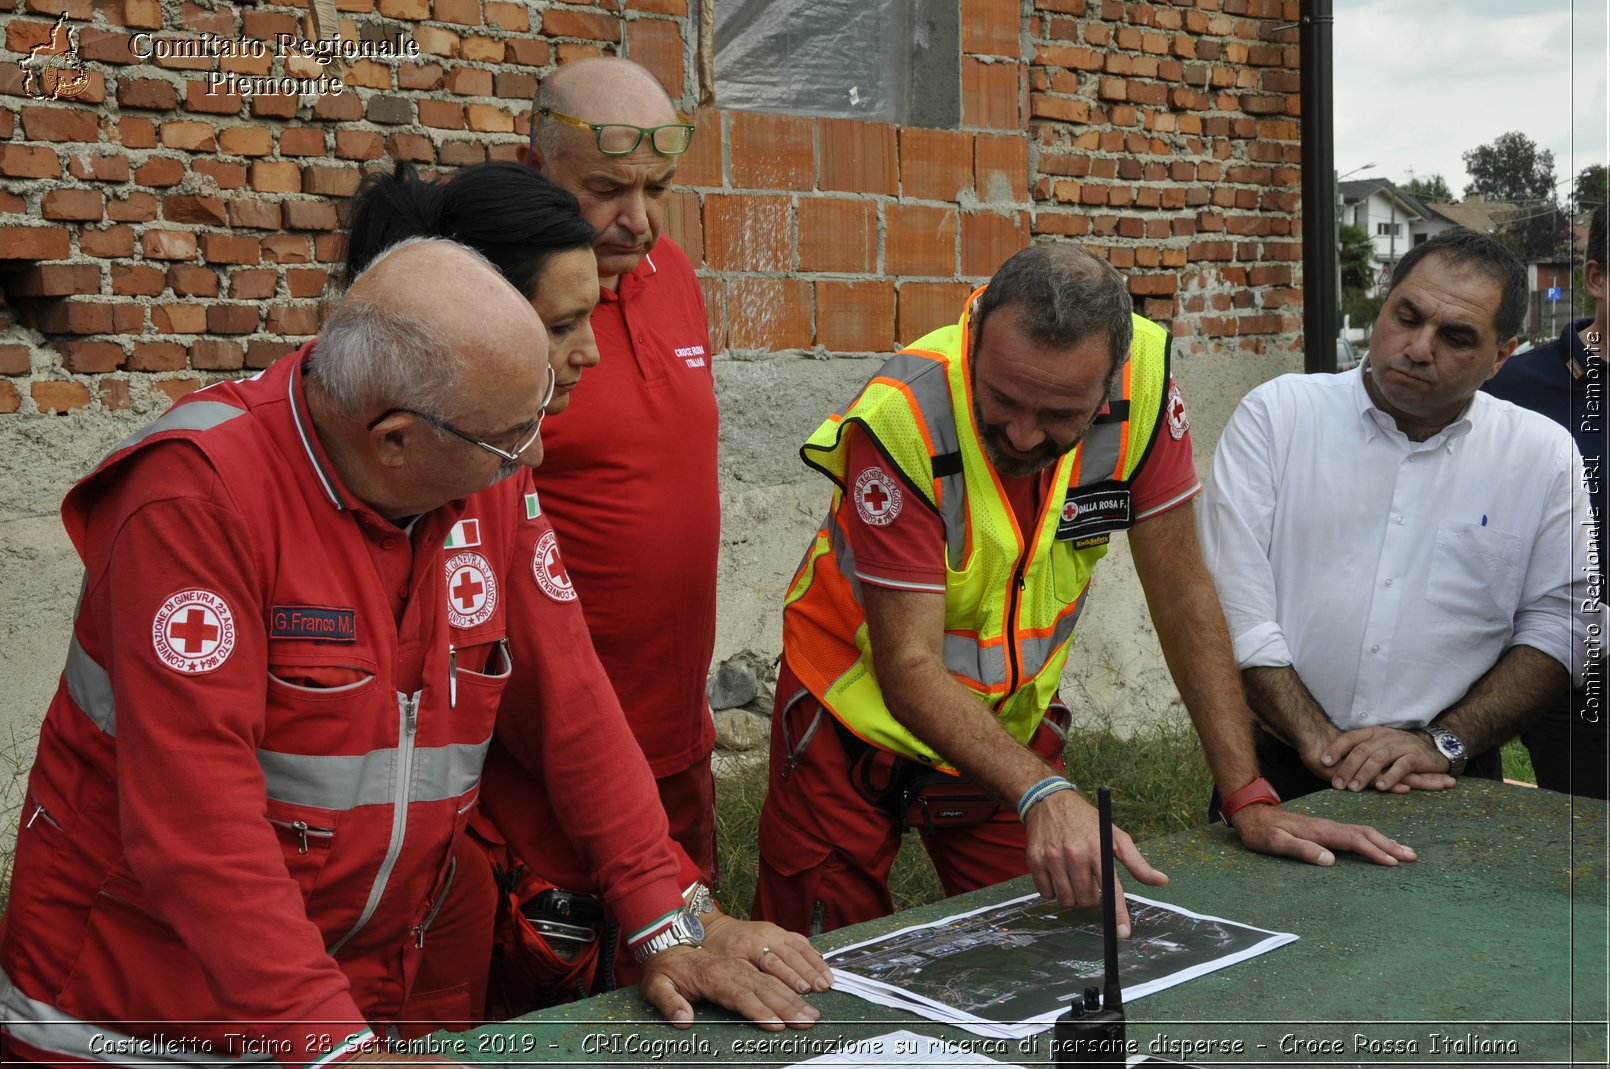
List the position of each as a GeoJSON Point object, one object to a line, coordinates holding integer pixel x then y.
{"type": "Point", "coordinates": [760, 961]}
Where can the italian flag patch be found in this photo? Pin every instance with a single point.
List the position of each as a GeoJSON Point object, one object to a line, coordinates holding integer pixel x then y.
{"type": "Point", "coordinates": [465, 533]}
{"type": "Point", "coordinates": [533, 508]}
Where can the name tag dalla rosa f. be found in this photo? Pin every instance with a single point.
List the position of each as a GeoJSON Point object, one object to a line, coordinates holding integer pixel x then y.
{"type": "Point", "coordinates": [1089, 516]}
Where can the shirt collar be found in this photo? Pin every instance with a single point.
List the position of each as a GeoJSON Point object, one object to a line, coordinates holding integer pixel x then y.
{"type": "Point", "coordinates": [644, 269]}
{"type": "Point", "coordinates": [1375, 421]}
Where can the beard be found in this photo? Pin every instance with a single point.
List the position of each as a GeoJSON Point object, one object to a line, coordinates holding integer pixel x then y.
{"type": "Point", "coordinates": [995, 442]}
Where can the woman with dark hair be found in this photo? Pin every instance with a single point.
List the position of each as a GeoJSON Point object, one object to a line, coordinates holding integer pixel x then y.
{"type": "Point", "coordinates": [530, 228]}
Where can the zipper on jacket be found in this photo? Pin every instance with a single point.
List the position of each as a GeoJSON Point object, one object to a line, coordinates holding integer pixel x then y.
{"type": "Point", "coordinates": [1013, 665]}
{"type": "Point", "coordinates": [408, 710]}
{"type": "Point", "coordinates": [441, 900]}
{"type": "Point", "coordinates": [303, 832]}
{"type": "Point", "coordinates": [41, 811]}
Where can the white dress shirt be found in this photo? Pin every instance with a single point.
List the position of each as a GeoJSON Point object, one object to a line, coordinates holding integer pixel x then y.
{"type": "Point", "coordinates": [1390, 573]}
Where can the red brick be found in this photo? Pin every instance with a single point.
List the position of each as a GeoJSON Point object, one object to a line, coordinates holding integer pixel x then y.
{"type": "Point", "coordinates": [59, 124]}
{"type": "Point", "coordinates": [701, 164]}
{"type": "Point", "coordinates": [310, 215]}
{"type": "Point", "coordinates": [176, 389]}
{"type": "Point", "coordinates": [441, 114]}
{"type": "Point", "coordinates": [29, 161]}
{"type": "Point", "coordinates": [286, 249]}
{"type": "Point", "coordinates": [770, 152]}
{"type": "Point", "coordinates": [90, 357]}
{"type": "Point", "coordinates": [302, 141]}
{"type": "Point", "coordinates": [1001, 168]}
{"type": "Point", "coordinates": [15, 359]}
{"type": "Point", "coordinates": [411, 147]}
{"type": "Point", "coordinates": [358, 145]}
{"type": "Point", "coordinates": [463, 12]}
{"type": "Point", "coordinates": [368, 74]}
{"type": "Point", "coordinates": [489, 119]}
{"type": "Point", "coordinates": [159, 171]}
{"type": "Point", "coordinates": [283, 106]}
{"type": "Point", "coordinates": [857, 157]}
{"type": "Point", "coordinates": [330, 180]}
{"type": "Point", "coordinates": [152, 93]}
{"type": "Point", "coordinates": [838, 234]}
{"type": "Point", "coordinates": [99, 167]}
{"type": "Point", "coordinates": [768, 313]}
{"type": "Point", "coordinates": [194, 209]}
{"type": "Point", "coordinates": [276, 176]}
{"type": "Point", "coordinates": [59, 395]}
{"type": "Point", "coordinates": [516, 18]}
{"type": "Point", "coordinates": [344, 108]}
{"type": "Point", "coordinates": [464, 81]}
{"type": "Point", "coordinates": [989, 239]}
{"type": "Point", "coordinates": [106, 242]}
{"type": "Point", "coordinates": [329, 248]}
{"type": "Point", "coordinates": [428, 76]}
{"type": "Point", "coordinates": [300, 320]}
{"type": "Point", "coordinates": [137, 280]}
{"type": "Point", "coordinates": [33, 243]}
{"type": "Point", "coordinates": [54, 280]}
{"type": "Point", "coordinates": [657, 45]}
{"type": "Point", "coordinates": [11, 204]}
{"type": "Point", "coordinates": [190, 135]}
{"type": "Point", "coordinates": [928, 163]}
{"type": "Point", "coordinates": [157, 356]}
{"type": "Point", "coordinates": [114, 393]}
{"type": "Point", "coordinates": [990, 94]}
{"type": "Point", "coordinates": [208, 98]}
{"type": "Point", "coordinates": [306, 281]}
{"type": "Point", "coordinates": [855, 316]}
{"type": "Point", "coordinates": [24, 37]}
{"type": "Point", "coordinates": [10, 399]}
{"type": "Point", "coordinates": [179, 318]}
{"type": "Point", "coordinates": [992, 27]}
{"type": "Point", "coordinates": [257, 213]}
{"type": "Point", "coordinates": [921, 240]}
{"type": "Point", "coordinates": [75, 204]}
{"type": "Point", "coordinates": [226, 174]}
{"type": "Point", "coordinates": [529, 52]}
{"type": "Point", "coordinates": [100, 47]}
{"type": "Point", "coordinates": [557, 22]}
{"type": "Point", "coordinates": [71, 316]}
{"type": "Point", "coordinates": [231, 319]}
{"type": "Point", "coordinates": [229, 249]}
{"type": "Point", "coordinates": [435, 41]}
{"type": "Point", "coordinates": [926, 306]}
{"type": "Point", "coordinates": [252, 283]}
{"type": "Point", "coordinates": [748, 233]}
{"type": "Point", "coordinates": [191, 280]}
{"type": "Point", "coordinates": [262, 352]}
{"type": "Point", "coordinates": [514, 85]}
{"type": "Point", "coordinates": [214, 355]}
{"type": "Point", "coordinates": [168, 245]}
{"type": "Point", "coordinates": [134, 132]}
{"type": "Point", "coordinates": [413, 10]}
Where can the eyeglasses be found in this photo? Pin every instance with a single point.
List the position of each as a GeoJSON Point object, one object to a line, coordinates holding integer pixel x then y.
{"type": "Point", "coordinates": [622, 139]}
{"type": "Point", "coordinates": [505, 455]}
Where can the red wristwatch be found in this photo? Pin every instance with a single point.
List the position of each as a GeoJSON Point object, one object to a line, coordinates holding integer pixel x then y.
{"type": "Point", "coordinates": [1258, 792]}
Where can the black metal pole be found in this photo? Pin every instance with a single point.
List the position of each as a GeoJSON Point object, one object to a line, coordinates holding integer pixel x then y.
{"type": "Point", "coordinates": [1319, 188]}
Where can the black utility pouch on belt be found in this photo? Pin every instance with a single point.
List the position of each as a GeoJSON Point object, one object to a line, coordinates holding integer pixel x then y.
{"type": "Point", "coordinates": [933, 799]}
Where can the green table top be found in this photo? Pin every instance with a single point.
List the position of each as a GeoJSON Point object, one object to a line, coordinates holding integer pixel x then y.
{"type": "Point", "coordinates": [1489, 950]}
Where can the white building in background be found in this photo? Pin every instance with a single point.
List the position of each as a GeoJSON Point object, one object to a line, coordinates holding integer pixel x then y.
{"type": "Point", "coordinates": [1394, 220]}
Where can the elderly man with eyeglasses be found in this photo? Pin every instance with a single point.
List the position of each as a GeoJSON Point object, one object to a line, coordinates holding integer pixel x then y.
{"type": "Point", "coordinates": [630, 480]}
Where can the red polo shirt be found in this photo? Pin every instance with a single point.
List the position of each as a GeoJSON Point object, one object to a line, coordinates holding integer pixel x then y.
{"type": "Point", "coordinates": [629, 481]}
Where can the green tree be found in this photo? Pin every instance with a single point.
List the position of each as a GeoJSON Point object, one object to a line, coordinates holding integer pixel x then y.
{"type": "Point", "coordinates": [1432, 187]}
{"type": "Point", "coordinates": [1357, 254]}
{"type": "Point", "coordinates": [1592, 187]}
{"type": "Point", "coordinates": [1511, 168]}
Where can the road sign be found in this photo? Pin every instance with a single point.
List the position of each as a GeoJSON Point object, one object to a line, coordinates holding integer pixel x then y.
{"type": "Point", "coordinates": [1554, 293]}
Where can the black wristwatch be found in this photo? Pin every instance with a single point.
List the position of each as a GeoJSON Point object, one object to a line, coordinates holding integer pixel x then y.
{"type": "Point", "coordinates": [1448, 745]}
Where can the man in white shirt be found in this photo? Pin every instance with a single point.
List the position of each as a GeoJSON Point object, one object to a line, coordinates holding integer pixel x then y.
{"type": "Point", "coordinates": [1394, 550]}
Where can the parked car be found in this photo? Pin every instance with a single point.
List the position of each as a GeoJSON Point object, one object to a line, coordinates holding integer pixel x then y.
{"type": "Point", "coordinates": [1347, 355]}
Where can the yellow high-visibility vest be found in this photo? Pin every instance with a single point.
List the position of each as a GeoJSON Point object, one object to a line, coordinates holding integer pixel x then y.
{"type": "Point", "coordinates": [1012, 597]}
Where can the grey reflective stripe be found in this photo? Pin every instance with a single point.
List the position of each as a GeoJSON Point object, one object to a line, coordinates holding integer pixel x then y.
{"type": "Point", "coordinates": [844, 555]}
{"type": "Point", "coordinates": [926, 379]}
{"type": "Point", "coordinates": [90, 687]}
{"type": "Point", "coordinates": [346, 782]}
{"type": "Point", "coordinates": [407, 723]}
{"type": "Point", "coordinates": [194, 416]}
{"type": "Point", "coordinates": [1102, 443]}
{"type": "Point", "coordinates": [51, 1030]}
{"type": "Point", "coordinates": [1037, 649]}
{"type": "Point", "coordinates": [966, 658]}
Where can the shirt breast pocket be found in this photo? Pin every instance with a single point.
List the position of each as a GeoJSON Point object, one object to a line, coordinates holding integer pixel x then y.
{"type": "Point", "coordinates": [1475, 572]}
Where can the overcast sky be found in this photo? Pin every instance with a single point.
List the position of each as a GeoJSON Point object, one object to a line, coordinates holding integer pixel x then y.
{"type": "Point", "coordinates": [1419, 82]}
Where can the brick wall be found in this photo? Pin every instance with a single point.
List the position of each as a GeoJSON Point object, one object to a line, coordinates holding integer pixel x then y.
{"type": "Point", "coordinates": [155, 236]}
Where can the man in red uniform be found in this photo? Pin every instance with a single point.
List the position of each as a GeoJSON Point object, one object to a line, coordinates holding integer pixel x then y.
{"type": "Point", "coordinates": [241, 819]}
{"type": "Point", "coordinates": [630, 479]}
{"type": "Point", "coordinates": [978, 479]}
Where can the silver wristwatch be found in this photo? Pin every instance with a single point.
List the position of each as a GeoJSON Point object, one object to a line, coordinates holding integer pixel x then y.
{"type": "Point", "coordinates": [685, 930]}
{"type": "Point", "coordinates": [1448, 745]}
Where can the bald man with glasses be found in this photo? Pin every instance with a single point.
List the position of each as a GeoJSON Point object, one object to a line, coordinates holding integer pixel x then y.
{"type": "Point", "coordinates": [630, 480]}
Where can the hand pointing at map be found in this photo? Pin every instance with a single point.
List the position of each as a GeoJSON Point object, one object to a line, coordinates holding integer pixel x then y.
{"type": "Point", "coordinates": [1064, 854]}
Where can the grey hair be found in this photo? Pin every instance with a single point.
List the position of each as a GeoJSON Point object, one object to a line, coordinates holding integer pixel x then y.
{"type": "Point", "coordinates": [547, 137]}
{"type": "Point", "coordinates": [372, 356]}
{"type": "Point", "coordinates": [1459, 247]}
{"type": "Point", "coordinates": [1062, 294]}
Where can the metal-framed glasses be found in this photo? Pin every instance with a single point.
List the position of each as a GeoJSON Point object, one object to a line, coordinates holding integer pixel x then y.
{"type": "Point", "coordinates": [622, 139]}
{"type": "Point", "coordinates": [505, 455]}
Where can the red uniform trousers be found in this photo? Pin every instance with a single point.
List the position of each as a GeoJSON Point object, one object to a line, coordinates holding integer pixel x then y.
{"type": "Point", "coordinates": [826, 849]}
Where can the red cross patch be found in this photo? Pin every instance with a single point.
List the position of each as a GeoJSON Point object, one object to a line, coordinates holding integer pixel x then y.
{"type": "Point", "coordinates": [877, 497]}
{"type": "Point", "coordinates": [1178, 421]}
{"type": "Point", "coordinates": [193, 632]}
{"type": "Point", "coordinates": [1070, 511]}
{"type": "Point", "coordinates": [472, 590]}
{"type": "Point", "coordinates": [549, 570]}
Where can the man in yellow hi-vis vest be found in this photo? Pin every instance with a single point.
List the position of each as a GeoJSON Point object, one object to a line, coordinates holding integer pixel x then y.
{"type": "Point", "coordinates": [978, 478]}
